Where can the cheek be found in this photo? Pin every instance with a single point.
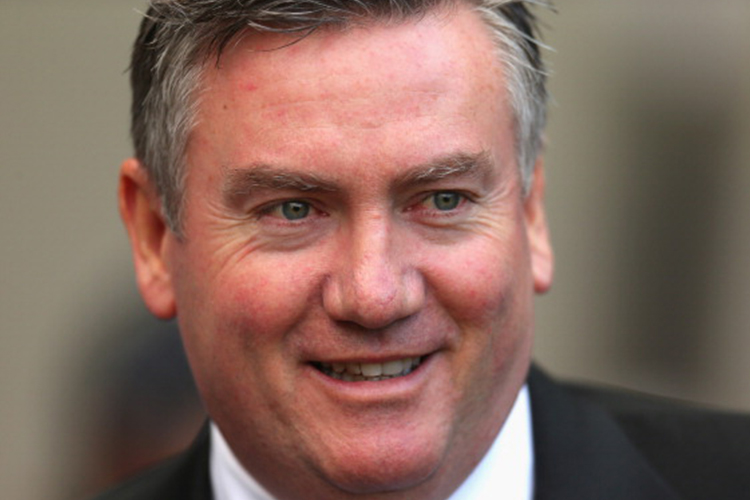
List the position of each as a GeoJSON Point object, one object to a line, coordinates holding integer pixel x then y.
{"type": "Point", "coordinates": [482, 283]}
{"type": "Point", "coordinates": [237, 325]}
{"type": "Point", "coordinates": [486, 290]}
{"type": "Point", "coordinates": [237, 309]}
{"type": "Point", "coordinates": [261, 306]}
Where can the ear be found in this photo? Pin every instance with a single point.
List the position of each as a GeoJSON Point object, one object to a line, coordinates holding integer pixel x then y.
{"type": "Point", "coordinates": [140, 209]}
{"type": "Point", "coordinates": [542, 259]}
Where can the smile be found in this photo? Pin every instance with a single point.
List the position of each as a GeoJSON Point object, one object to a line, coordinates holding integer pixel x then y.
{"type": "Point", "coordinates": [369, 372]}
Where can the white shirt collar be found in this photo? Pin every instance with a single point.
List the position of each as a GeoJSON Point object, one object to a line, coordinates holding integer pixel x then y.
{"type": "Point", "coordinates": [229, 480]}
{"type": "Point", "coordinates": [506, 471]}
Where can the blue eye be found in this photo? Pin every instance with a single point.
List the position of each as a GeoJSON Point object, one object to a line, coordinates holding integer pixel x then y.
{"type": "Point", "coordinates": [295, 210]}
{"type": "Point", "coordinates": [446, 200]}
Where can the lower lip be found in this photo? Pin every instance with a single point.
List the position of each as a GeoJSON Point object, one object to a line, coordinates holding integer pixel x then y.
{"type": "Point", "coordinates": [393, 387]}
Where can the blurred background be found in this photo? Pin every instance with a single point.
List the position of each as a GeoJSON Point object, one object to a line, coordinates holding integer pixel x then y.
{"type": "Point", "coordinates": [648, 197]}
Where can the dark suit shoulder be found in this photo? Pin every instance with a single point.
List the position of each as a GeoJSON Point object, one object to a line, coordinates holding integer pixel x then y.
{"type": "Point", "coordinates": [703, 453]}
{"type": "Point", "coordinates": [184, 477]}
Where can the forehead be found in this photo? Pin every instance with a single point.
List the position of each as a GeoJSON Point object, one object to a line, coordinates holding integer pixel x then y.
{"type": "Point", "coordinates": [270, 92]}
{"type": "Point", "coordinates": [452, 25]}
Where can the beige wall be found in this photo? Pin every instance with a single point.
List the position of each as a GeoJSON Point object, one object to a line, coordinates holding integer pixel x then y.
{"type": "Point", "coordinates": [649, 197]}
{"type": "Point", "coordinates": [649, 182]}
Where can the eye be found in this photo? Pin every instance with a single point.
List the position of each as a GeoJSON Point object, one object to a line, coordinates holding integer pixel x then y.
{"type": "Point", "coordinates": [292, 213]}
{"type": "Point", "coordinates": [445, 200]}
{"type": "Point", "coordinates": [293, 210]}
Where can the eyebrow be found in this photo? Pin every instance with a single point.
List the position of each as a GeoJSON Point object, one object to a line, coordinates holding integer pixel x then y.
{"type": "Point", "coordinates": [240, 182]}
{"type": "Point", "coordinates": [452, 165]}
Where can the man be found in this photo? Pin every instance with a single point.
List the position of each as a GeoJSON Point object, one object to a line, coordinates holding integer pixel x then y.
{"type": "Point", "coordinates": [342, 204]}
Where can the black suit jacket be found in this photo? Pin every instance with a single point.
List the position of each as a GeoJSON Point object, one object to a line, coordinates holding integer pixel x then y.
{"type": "Point", "coordinates": [589, 445]}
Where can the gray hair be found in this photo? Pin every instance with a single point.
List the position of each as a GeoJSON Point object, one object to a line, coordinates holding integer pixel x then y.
{"type": "Point", "coordinates": [178, 37]}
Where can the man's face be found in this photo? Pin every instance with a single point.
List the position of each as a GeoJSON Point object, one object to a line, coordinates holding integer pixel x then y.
{"type": "Point", "coordinates": [353, 205]}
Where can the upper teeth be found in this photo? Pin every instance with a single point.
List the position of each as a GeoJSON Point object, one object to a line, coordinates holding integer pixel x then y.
{"type": "Point", "coordinates": [357, 372]}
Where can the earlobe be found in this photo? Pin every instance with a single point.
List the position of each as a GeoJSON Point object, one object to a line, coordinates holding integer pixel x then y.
{"type": "Point", "coordinates": [542, 258]}
{"type": "Point", "coordinates": [140, 210]}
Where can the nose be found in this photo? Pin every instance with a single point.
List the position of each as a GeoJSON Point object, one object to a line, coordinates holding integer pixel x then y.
{"type": "Point", "coordinates": [374, 281]}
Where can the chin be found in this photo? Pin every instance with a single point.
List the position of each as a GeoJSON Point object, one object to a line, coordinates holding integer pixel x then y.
{"type": "Point", "coordinates": [388, 468]}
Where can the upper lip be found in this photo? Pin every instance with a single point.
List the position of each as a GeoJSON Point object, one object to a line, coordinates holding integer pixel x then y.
{"type": "Point", "coordinates": [369, 359]}
{"type": "Point", "coordinates": [342, 351]}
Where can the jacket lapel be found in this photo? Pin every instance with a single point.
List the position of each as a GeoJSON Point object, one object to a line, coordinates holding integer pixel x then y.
{"type": "Point", "coordinates": [190, 479]}
{"type": "Point", "coordinates": [581, 453]}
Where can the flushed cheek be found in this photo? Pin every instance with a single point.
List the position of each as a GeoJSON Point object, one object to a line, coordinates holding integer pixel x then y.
{"type": "Point", "coordinates": [485, 290]}
{"type": "Point", "coordinates": [476, 284]}
{"type": "Point", "coordinates": [261, 307]}
{"type": "Point", "coordinates": [244, 341]}
{"type": "Point", "coordinates": [236, 329]}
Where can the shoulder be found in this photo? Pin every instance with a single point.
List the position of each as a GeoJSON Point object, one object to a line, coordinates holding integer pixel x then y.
{"type": "Point", "coordinates": [703, 452]}
{"type": "Point", "coordinates": [184, 477]}
{"type": "Point", "coordinates": [150, 484]}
